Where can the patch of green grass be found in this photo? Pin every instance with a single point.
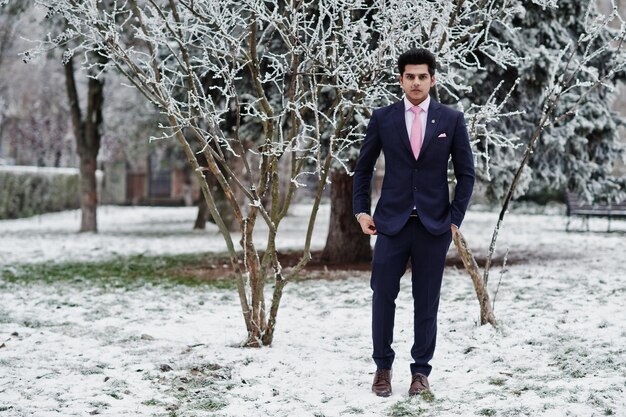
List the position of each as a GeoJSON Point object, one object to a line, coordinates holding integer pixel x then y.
{"type": "Point", "coordinates": [99, 404]}
{"type": "Point", "coordinates": [353, 410]}
{"type": "Point", "coordinates": [210, 405]}
{"type": "Point", "coordinates": [427, 396]}
{"type": "Point", "coordinates": [518, 412]}
{"type": "Point", "coordinates": [200, 388]}
{"type": "Point", "coordinates": [35, 324]}
{"type": "Point", "coordinates": [574, 361]}
{"type": "Point", "coordinates": [129, 272]}
{"type": "Point", "coordinates": [116, 395]}
{"type": "Point", "coordinates": [406, 408]}
{"type": "Point", "coordinates": [497, 381]}
{"type": "Point", "coordinates": [152, 402]}
{"type": "Point", "coordinates": [487, 412]}
{"type": "Point", "coordinates": [91, 371]}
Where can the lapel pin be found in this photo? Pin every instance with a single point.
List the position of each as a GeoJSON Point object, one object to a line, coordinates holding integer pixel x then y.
{"type": "Point", "coordinates": [432, 121]}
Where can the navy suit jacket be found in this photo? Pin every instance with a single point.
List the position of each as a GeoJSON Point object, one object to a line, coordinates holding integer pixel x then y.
{"type": "Point", "coordinates": [408, 183]}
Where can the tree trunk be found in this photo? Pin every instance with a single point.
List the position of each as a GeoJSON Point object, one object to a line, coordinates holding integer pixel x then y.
{"type": "Point", "coordinates": [87, 132]}
{"type": "Point", "coordinates": [486, 310]}
{"type": "Point", "coordinates": [345, 243]}
{"type": "Point", "coordinates": [221, 202]}
{"type": "Point", "coordinates": [224, 208]}
{"type": "Point", "coordinates": [88, 195]}
{"type": "Point", "coordinates": [203, 214]}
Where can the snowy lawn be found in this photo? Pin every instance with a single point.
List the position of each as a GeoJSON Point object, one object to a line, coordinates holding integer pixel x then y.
{"type": "Point", "coordinates": [78, 346]}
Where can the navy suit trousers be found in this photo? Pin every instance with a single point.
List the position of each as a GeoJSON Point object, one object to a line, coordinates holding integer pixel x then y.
{"type": "Point", "coordinates": [427, 253]}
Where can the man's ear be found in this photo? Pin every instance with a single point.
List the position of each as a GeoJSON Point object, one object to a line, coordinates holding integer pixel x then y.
{"type": "Point", "coordinates": [432, 80]}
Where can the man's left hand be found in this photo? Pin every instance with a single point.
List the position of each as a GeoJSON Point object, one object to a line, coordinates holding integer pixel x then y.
{"type": "Point", "coordinates": [454, 229]}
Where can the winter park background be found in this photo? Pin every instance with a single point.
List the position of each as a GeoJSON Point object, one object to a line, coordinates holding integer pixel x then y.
{"type": "Point", "coordinates": [255, 111]}
{"type": "Point", "coordinates": [92, 341]}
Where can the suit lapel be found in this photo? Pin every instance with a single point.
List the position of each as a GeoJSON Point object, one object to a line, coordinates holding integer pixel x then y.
{"type": "Point", "coordinates": [432, 121]}
{"type": "Point", "coordinates": [400, 121]}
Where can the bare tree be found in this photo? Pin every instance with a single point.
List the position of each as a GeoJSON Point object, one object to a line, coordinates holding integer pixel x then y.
{"type": "Point", "coordinates": [289, 59]}
{"type": "Point", "coordinates": [573, 76]}
{"type": "Point", "coordinates": [292, 75]}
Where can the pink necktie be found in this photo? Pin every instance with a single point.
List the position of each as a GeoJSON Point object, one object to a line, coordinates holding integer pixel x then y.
{"type": "Point", "coordinates": [416, 131]}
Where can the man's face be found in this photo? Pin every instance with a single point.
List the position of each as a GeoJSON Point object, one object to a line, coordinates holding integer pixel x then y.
{"type": "Point", "coordinates": [416, 82]}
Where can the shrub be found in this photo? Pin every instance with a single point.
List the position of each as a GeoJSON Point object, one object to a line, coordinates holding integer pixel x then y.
{"type": "Point", "coordinates": [26, 191]}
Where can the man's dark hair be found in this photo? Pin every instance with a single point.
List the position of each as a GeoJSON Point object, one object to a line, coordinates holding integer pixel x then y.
{"type": "Point", "coordinates": [417, 56]}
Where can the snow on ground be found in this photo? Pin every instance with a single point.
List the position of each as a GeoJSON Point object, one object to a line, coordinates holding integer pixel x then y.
{"type": "Point", "coordinates": [125, 231]}
{"type": "Point", "coordinates": [74, 349]}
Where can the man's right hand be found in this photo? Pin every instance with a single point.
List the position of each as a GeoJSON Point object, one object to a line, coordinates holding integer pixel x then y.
{"type": "Point", "coordinates": [367, 224]}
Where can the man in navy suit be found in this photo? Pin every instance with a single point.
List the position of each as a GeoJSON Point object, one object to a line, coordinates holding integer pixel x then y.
{"type": "Point", "coordinates": [414, 218]}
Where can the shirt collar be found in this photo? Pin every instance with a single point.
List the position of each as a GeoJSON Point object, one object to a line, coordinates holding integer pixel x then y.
{"type": "Point", "coordinates": [424, 104]}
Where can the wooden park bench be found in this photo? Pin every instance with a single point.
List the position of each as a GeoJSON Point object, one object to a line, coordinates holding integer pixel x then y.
{"type": "Point", "coordinates": [577, 207]}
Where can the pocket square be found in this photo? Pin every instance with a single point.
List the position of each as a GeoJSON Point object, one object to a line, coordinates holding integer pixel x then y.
{"type": "Point", "coordinates": [442, 135]}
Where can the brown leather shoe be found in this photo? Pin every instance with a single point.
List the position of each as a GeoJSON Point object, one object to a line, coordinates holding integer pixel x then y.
{"type": "Point", "coordinates": [419, 384]}
{"type": "Point", "coordinates": [382, 383]}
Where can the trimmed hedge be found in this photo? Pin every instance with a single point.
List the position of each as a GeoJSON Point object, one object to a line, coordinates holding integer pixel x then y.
{"type": "Point", "coordinates": [27, 191]}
